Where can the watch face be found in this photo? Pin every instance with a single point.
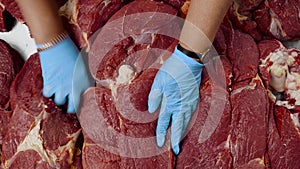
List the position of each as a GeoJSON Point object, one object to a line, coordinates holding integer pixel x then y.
{"type": "Point", "coordinates": [202, 55]}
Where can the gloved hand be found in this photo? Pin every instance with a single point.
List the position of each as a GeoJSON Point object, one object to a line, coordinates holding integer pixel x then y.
{"type": "Point", "coordinates": [176, 89]}
{"type": "Point", "coordinates": [58, 65]}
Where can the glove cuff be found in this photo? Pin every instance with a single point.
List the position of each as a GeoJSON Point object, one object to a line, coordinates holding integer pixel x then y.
{"type": "Point", "coordinates": [54, 41]}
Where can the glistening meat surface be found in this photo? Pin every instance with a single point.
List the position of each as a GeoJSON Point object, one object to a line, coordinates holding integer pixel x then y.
{"type": "Point", "coordinates": [30, 132]}
{"type": "Point", "coordinates": [236, 124]}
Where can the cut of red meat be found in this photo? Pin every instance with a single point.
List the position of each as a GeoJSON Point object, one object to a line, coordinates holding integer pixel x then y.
{"type": "Point", "coordinates": [12, 7]}
{"type": "Point", "coordinates": [176, 3]}
{"type": "Point", "coordinates": [121, 106]}
{"type": "Point", "coordinates": [249, 102]}
{"type": "Point", "coordinates": [7, 21]}
{"type": "Point", "coordinates": [10, 64]}
{"type": "Point", "coordinates": [22, 161]}
{"type": "Point", "coordinates": [4, 119]}
{"type": "Point", "coordinates": [2, 24]}
{"type": "Point", "coordinates": [246, 6]}
{"type": "Point", "coordinates": [30, 132]}
{"type": "Point", "coordinates": [236, 124]}
{"type": "Point", "coordinates": [244, 56]}
{"type": "Point", "coordinates": [181, 5]}
{"type": "Point", "coordinates": [84, 17]}
{"type": "Point", "coordinates": [276, 19]}
{"type": "Point", "coordinates": [279, 19]}
{"type": "Point", "coordinates": [96, 151]}
{"type": "Point", "coordinates": [133, 39]}
{"type": "Point", "coordinates": [241, 13]}
{"type": "Point", "coordinates": [284, 139]}
{"type": "Point", "coordinates": [248, 140]}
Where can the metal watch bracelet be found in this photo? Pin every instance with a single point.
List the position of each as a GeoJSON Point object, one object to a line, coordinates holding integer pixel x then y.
{"type": "Point", "coordinates": [60, 37]}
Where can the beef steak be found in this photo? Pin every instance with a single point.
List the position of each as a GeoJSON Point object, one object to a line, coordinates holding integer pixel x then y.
{"type": "Point", "coordinates": [241, 14]}
{"type": "Point", "coordinates": [249, 103]}
{"type": "Point", "coordinates": [10, 64]}
{"type": "Point", "coordinates": [4, 119]}
{"type": "Point", "coordinates": [31, 140]}
{"type": "Point", "coordinates": [279, 19]}
{"type": "Point", "coordinates": [248, 140]}
{"type": "Point", "coordinates": [2, 24]}
{"type": "Point", "coordinates": [236, 124]}
{"type": "Point", "coordinates": [84, 17]}
{"type": "Point", "coordinates": [121, 105]}
{"type": "Point", "coordinates": [284, 139]}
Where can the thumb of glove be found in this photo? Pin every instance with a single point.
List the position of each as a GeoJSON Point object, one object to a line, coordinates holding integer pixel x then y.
{"type": "Point", "coordinates": [154, 100]}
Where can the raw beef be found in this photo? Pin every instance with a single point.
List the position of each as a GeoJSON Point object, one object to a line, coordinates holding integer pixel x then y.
{"type": "Point", "coordinates": [241, 14]}
{"type": "Point", "coordinates": [220, 148]}
{"type": "Point", "coordinates": [39, 134]}
{"type": "Point", "coordinates": [249, 103]}
{"type": "Point", "coordinates": [248, 140]}
{"type": "Point", "coordinates": [244, 66]}
{"type": "Point", "coordinates": [238, 123]}
{"type": "Point", "coordinates": [10, 64]}
{"type": "Point", "coordinates": [2, 24]}
{"type": "Point", "coordinates": [12, 7]}
{"type": "Point", "coordinates": [280, 69]}
{"type": "Point", "coordinates": [176, 3]}
{"type": "Point", "coordinates": [284, 139]}
{"type": "Point", "coordinates": [279, 19]}
{"type": "Point", "coordinates": [7, 21]}
{"type": "Point", "coordinates": [86, 17]}
{"type": "Point", "coordinates": [181, 5]}
{"type": "Point", "coordinates": [124, 136]}
{"type": "Point", "coordinates": [276, 19]}
{"type": "Point", "coordinates": [234, 136]}
{"type": "Point", "coordinates": [4, 119]}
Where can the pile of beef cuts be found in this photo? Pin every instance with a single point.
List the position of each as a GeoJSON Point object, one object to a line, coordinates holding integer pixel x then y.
{"type": "Point", "coordinates": [248, 112]}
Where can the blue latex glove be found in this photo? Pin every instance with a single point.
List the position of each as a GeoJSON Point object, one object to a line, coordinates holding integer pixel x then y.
{"type": "Point", "coordinates": [176, 89]}
{"type": "Point", "coordinates": [58, 65]}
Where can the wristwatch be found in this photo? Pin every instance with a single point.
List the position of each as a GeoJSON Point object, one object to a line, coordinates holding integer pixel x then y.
{"type": "Point", "coordinates": [199, 57]}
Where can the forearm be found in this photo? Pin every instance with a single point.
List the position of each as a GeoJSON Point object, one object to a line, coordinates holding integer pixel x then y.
{"type": "Point", "coordinates": [42, 18]}
{"type": "Point", "coordinates": [202, 23]}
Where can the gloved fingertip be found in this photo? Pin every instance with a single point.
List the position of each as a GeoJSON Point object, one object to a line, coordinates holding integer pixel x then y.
{"type": "Point", "coordinates": [176, 149]}
{"type": "Point", "coordinates": [154, 100]}
{"type": "Point", "coordinates": [47, 92]}
{"type": "Point", "coordinates": [152, 108]}
{"type": "Point", "coordinates": [160, 140]}
{"type": "Point", "coordinates": [59, 100]}
{"type": "Point", "coordinates": [71, 107]}
{"type": "Point", "coordinates": [71, 110]}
